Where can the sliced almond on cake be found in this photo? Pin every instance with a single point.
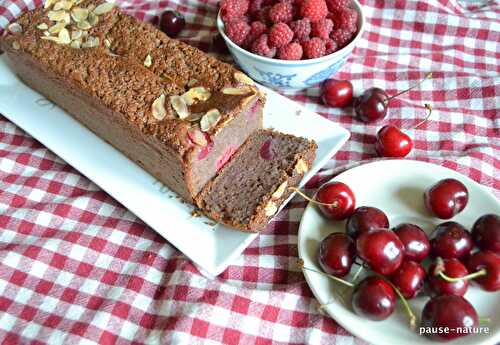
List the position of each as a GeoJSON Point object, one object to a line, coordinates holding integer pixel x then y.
{"type": "Point", "coordinates": [103, 8]}
{"type": "Point", "coordinates": [179, 106]}
{"type": "Point", "coordinates": [243, 78]}
{"type": "Point", "coordinates": [280, 191]}
{"type": "Point", "coordinates": [270, 209]}
{"type": "Point", "coordinates": [210, 119]}
{"type": "Point", "coordinates": [236, 91]}
{"type": "Point", "coordinates": [301, 166]}
{"type": "Point", "coordinates": [15, 28]}
{"type": "Point", "coordinates": [158, 108]}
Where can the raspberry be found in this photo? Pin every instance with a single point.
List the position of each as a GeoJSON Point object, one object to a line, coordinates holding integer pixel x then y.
{"type": "Point", "coordinates": [281, 12]}
{"type": "Point", "coordinates": [230, 9]}
{"type": "Point", "coordinates": [256, 30]}
{"type": "Point", "coordinates": [237, 31]}
{"type": "Point", "coordinates": [336, 5]}
{"type": "Point", "coordinates": [322, 28]}
{"type": "Point", "coordinates": [280, 35]}
{"type": "Point", "coordinates": [313, 9]}
{"type": "Point", "coordinates": [261, 47]}
{"type": "Point", "coordinates": [301, 28]}
{"type": "Point", "coordinates": [330, 46]}
{"type": "Point", "coordinates": [255, 6]}
{"type": "Point", "coordinates": [263, 15]}
{"type": "Point", "coordinates": [347, 19]}
{"type": "Point", "coordinates": [341, 37]}
{"type": "Point", "coordinates": [292, 51]}
{"type": "Point", "coordinates": [314, 48]}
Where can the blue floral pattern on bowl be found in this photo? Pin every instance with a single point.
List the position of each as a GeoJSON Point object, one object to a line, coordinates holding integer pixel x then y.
{"type": "Point", "coordinates": [324, 74]}
{"type": "Point", "coordinates": [276, 79]}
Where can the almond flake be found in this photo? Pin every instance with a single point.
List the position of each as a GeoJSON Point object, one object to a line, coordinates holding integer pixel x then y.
{"type": "Point", "coordinates": [42, 26]}
{"type": "Point", "coordinates": [107, 43]}
{"type": "Point", "coordinates": [279, 192]}
{"type": "Point", "coordinates": [209, 120]}
{"type": "Point", "coordinates": [90, 7]}
{"type": "Point", "coordinates": [15, 28]}
{"type": "Point", "coordinates": [91, 42]}
{"type": "Point", "coordinates": [93, 19]}
{"type": "Point", "coordinates": [76, 34]}
{"type": "Point", "coordinates": [196, 93]}
{"type": "Point", "coordinates": [236, 91]}
{"type": "Point", "coordinates": [179, 106]}
{"type": "Point", "coordinates": [76, 44]}
{"type": "Point", "coordinates": [16, 45]}
{"type": "Point", "coordinates": [148, 61]}
{"type": "Point", "coordinates": [55, 29]}
{"type": "Point", "coordinates": [243, 78]}
{"type": "Point", "coordinates": [103, 8]}
{"type": "Point", "coordinates": [197, 137]}
{"type": "Point", "coordinates": [49, 3]}
{"type": "Point", "coordinates": [79, 14]}
{"type": "Point", "coordinates": [301, 166]}
{"type": "Point", "coordinates": [46, 33]}
{"type": "Point", "coordinates": [194, 117]}
{"type": "Point", "coordinates": [83, 25]}
{"type": "Point", "coordinates": [63, 5]}
{"type": "Point", "coordinates": [57, 16]}
{"type": "Point", "coordinates": [270, 209]}
{"type": "Point", "coordinates": [64, 36]}
{"type": "Point", "coordinates": [158, 108]}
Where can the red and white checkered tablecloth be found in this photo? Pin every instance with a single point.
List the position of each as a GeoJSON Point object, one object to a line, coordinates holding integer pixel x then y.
{"type": "Point", "coordinates": [77, 267]}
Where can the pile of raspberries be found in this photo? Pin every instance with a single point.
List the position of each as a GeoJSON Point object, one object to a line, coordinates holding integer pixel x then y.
{"type": "Point", "coordinates": [290, 29]}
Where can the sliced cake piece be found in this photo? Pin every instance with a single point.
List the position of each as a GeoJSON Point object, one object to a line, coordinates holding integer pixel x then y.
{"type": "Point", "coordinates": [251, 187]}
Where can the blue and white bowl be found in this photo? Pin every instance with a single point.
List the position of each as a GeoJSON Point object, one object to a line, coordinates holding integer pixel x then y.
{"type": "Point", "coordinates": [284, 74]}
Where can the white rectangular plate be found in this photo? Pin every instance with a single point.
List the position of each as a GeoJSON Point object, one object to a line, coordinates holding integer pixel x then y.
{"type": "Point", "coordinates": [214, 247]}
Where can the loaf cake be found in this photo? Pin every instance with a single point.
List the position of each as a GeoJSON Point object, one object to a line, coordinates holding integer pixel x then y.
{"type": "Point", "coordinates": [191, 121]}
{"type": "Point", "coordinates": [174, 110]}
{"type": "Point", "coordinates": [248, 192]}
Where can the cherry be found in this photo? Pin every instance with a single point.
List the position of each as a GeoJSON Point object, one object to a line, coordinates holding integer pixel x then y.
{"type": "Point", "coordinates": [364, 219]}
{"type": "Point", "coordinates": [392, 142]}
{"type": "Point", "coordinates": [374, 298]}
{"type": "Point", "coordinates": [450, 268]}
{"type": "Point", "coordinates": [381, 249]}
{"type": "Point", "coordinates": [171, 23]}
{"type": "Point", "coordinates": [446, 198]}
{"type": "Point", "coordinates": [451, 240]}
{"type": "Point", "coordinates": [415, 241]}
{"type": "Point", "coordinates": [409, 278]}
{"type": "Point", "coordinates": [486, 233]}
{"type": "Point", "coordinates": [336, 93]}
{"type": "Point", "coordinates": [336, 254]}
{"type": "Point", "coordinates": [448, 311]}
{"type": "Point", "coordinates": [336, 200]}
{"type": "Point", "coordinates": [372, 104]}
{"type": "Point", "coordinates": [489, 263]}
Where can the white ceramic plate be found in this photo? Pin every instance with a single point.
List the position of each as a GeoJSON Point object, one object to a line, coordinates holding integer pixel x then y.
{"type": "Point", "coordinates": [214, 248]}
{"type": "Point", "coordinates": [396, 187]}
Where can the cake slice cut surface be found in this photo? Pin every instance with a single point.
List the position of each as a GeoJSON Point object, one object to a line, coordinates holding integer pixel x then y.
{"type": "Point", "coordinates": [251, 187]}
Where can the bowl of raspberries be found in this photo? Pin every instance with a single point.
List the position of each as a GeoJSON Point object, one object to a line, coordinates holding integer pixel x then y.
{"type": "Point", "coordinates": [290, 44]}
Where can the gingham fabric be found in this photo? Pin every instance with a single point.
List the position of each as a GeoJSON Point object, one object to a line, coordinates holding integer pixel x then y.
{"type": "Point", "coordinates": [77, 268]}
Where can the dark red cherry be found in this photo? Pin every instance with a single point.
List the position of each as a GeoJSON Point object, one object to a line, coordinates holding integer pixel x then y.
{"type": "Point", "coordinates": [172, 22]}
{"type": "Point", "coordinates": [392, 142]}
{"type": "Point", "coordinates": [447, 311]}
{"type": "Point", "coordinates": [267, 150]}
{"type": "Point", "coordinates": [490, 263]}
{"type": "Point", "coordinates": [339, 196]}
{"type": "Point", "coordinates": [374, 298]}
{"type": "Point", "coordinates": [364, 219]}
{"type": "Point", "coordinates": [486, 233]}
{"type": "Point", "coordinates": [446, 198]}
{"type": "Point", "coordinates": [371, 105]}
{"type": "Point", "coordinates": [451, 240]}
{"type": "Point", "coordinates": [336, 93]}
{"type": "Point", "coordinates": [415, 241]}
{"type": "Point", "coordinates": [381, 249]}
{"type": "Point", "coordinates": [452, 268]}
{"type": "Point", "coordinates": [336, 254]}
{"type": "Point", "coordinates": [409, 278]}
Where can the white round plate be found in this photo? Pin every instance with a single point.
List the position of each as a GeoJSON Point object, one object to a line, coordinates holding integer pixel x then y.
{"type": "Point", "coordinates": [396, 187]}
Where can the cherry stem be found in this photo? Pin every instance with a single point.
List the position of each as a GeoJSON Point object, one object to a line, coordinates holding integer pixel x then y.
{"type": "Point", "coordinates": [428, 76]}
{"type": "Point", "coordinates": [480, 273]}
{"type": "Point", "coordinates": [428, 107]}
{"type": "Point", "coordinates": [334, 204]}
{"type": "Point", "coordinates": [411, 316]}
{"type": "Point", "coordinates": [337, 279]}
{"type": "Point", "coordinates": [356, 275]}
